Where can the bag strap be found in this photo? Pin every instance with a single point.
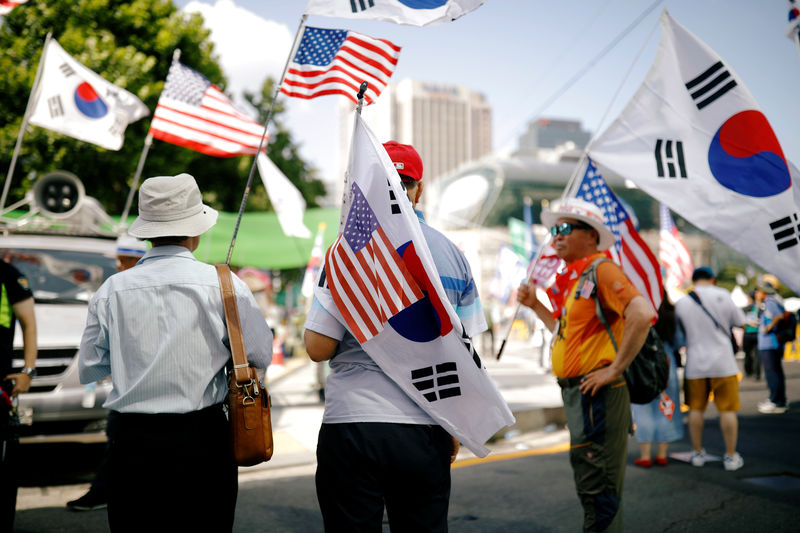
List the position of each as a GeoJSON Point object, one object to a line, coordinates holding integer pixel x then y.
{"type": "Point", "coordinates": [590, 274]}
{"type": "Point", "coordinates": [696, 298]}
{"type": "Point", "coordinates": [238, 354]}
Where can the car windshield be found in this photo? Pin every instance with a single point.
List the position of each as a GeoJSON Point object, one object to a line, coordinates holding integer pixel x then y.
{"type": "Point", "coordinates": [62, 276]}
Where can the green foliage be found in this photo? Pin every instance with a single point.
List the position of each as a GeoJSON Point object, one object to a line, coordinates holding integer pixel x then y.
{"type": "Point", "coordinates": [131, 44]}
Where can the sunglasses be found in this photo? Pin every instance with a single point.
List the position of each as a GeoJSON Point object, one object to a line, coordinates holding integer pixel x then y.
{"type": "Point", "coordinates": [565, 228]}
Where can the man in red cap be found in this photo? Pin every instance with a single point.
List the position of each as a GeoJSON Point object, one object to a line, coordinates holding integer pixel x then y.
{"type": "Point", "coordinates": [377, 448]}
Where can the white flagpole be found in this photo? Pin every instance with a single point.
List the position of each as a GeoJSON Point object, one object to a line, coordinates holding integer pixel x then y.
{"type": "Point", "coordinates": [148, 142]}
{"type": "Point", "coordinates": [293, 51]}
{"type": "Point", "coordinates": [32, 98]}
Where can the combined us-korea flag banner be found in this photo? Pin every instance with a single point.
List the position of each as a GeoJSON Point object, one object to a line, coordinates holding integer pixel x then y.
{"type": "Point", "coordinates": [73, 100]}
{"type": "Point", "coordinates": [380, 281]}
{"type": "Point", "coordinates": [412, 12]}
{"type": "Point", "coordinates": [693, 137]}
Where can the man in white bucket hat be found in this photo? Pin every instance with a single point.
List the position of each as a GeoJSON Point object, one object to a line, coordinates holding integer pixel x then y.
{"type": "Point", "coordinates": [588, 368]}
{"type": "Point", "coordinates": [158, 330]}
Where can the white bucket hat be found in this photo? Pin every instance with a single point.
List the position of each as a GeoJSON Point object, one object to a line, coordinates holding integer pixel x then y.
{"type": "Point", "coordinates": [584, 211]}
{"type": "Point", "coordinates": [171, 206]}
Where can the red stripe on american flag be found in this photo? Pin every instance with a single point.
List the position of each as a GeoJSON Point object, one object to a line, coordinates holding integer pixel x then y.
{"type": "Point", "coordinates": [203, 148]}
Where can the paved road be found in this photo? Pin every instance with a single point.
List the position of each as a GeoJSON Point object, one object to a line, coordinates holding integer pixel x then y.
{"type": "Point", "coordinates": [525, 484]}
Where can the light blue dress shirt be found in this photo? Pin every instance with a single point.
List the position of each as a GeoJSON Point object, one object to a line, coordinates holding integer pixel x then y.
{"type": "Point", "coordinates": [159, 330]}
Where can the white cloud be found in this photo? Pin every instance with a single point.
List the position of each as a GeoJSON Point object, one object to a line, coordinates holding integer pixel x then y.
{"type": "Point", "coordinates": [250, 47]}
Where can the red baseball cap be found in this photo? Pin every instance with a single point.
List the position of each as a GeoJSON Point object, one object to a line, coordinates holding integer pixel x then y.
{"type": "Point", "coordinates": [406, 160]}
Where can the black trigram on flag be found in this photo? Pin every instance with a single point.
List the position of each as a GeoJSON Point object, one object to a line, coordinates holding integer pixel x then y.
{"type": "Point", "coordinates": [323, 279]}
{"type": "Point", "coordinates": [393, 201]}
{"type": "Point", "coordinates": [786, 231]}
{"type": "Point", "coordinates": [66, 69]}
{"type": "Point", "coordinates": [471, 347]}
{"type": "Point", "coordinates": [55, 107]}
{"type": "Point", "coordinates": [361, 5]}
{"type": "Point", "coordinates": [669, 158]}
{"type": "Point", "coordinates": [710, 85]}
{"type": "Point", "coordinates": [437, 382]}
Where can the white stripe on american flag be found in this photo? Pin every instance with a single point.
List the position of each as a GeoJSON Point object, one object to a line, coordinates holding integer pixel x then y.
{"type": "Point", "coordinates": [371, 284]}
{"type": "Point", "coordinates": [360, 58]}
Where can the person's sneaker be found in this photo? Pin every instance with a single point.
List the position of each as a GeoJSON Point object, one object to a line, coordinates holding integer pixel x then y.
{"type": "Point", "coordinates": [90, 501]}
{"type": "Point", "coordinates": [733, 462]}
{"type": "Point", "coordinates": [772, 409]}
{"type": "Point", "coordinates": [765, 405]}
{"type": "Point", "coordinates": [699, 458]}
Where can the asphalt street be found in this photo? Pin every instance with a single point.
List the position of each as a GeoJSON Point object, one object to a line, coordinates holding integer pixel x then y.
{"type": "Point", "coordinates": [525, 484]}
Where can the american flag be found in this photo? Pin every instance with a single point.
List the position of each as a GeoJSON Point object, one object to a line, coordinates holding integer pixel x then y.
{"type": "Point", "coordinates": [672, 252]}
{"type": "Point", "coordinates": [192, 112]}
{"type": "Point", "coordinates": [368, 280]}
{"type": "Point", "coordinates": [629, 250]}
{"type": "Point", "coordinates": [332, 61]}
{"type": "Point", "coordinates": [7, 5]}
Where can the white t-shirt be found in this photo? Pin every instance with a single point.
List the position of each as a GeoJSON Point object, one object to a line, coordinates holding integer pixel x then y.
{"type": "Point", "coordinates": [709, 353]}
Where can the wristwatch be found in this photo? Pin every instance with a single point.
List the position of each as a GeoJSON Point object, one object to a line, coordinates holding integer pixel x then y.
{"type": "Point", "coordinates": [29, 371]}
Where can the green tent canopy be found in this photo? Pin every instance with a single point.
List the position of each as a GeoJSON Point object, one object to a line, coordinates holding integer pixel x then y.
{"type": "Point", "coordinates": [261, 242]}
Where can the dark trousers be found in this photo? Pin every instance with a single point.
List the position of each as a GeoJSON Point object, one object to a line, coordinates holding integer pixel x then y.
{"type": "Point", "coordinates": [772, 360]}
{"type": "Point", "coordinates": [362, 466]}
{"type": "Point", "coordinates": [752, 359]}
{"type": "Point", "coordinates": [170, 472]}
{"type": "Point", "coordinates": [598, 428]}
{"type": "Point", "coordinates": [9, 475]}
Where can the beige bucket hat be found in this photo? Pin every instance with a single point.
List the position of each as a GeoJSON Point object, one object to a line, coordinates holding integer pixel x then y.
{"type": "Point", "coordinates": [171, 206]}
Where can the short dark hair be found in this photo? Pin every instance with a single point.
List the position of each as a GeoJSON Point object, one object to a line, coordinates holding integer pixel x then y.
{"type": "Point", "coordinates": [702, 272]}
{"type": "Point", "coordinates": [161, 241]}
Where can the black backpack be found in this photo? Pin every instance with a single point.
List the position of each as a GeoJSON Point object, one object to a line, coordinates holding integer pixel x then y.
{"type": "Point", "coordinates": [648, 373]}
{"type": "Point", "coordinates": [786, 330]}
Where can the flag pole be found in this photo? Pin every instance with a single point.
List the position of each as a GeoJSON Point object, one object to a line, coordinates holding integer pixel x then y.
{"type": "Point", "coordinates": [32, 97]}
{"type": "Point", "coordinates": [148, 142]}
{"type": "Point", "coordinates": [292, 52]}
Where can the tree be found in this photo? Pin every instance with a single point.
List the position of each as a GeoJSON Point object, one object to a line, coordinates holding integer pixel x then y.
{"type": "Point", "coordinates": [129, 43]}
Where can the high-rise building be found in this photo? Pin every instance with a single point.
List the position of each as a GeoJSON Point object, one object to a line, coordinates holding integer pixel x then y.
{"type": "Point", "coordinates": [449, 125]}
{"type": "Point", "coordinates": [553, 140]}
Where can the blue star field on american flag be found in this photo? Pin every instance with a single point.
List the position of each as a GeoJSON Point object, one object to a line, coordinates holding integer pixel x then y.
{"type": "Point", "coordinates": [361, 222]}
{"type": "Point", "coordinates": [319, 46]}
{"type": "Point", "coordinates": [593, 189]}
{"type": "Point", "coordinates": [185, 85]}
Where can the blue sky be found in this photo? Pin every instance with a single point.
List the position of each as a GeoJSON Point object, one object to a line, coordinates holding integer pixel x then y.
{"type": "Point", "coordinates": [519, 53]}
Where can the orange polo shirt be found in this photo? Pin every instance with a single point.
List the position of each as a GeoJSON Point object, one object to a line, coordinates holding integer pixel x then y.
{"type": "Point", "coordinates": [581, 343]}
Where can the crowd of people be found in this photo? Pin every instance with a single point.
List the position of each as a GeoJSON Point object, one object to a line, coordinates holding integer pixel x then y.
{"type": "Point", "coordinates": [157, 328]}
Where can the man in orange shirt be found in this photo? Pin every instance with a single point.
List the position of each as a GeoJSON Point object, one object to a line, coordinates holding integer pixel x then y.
{"type": "Point", "coordinates": [589, 371]}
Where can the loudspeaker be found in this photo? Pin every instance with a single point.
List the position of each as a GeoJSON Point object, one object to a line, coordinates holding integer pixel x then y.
{"type": "Point", "coordinates": [58, 194]}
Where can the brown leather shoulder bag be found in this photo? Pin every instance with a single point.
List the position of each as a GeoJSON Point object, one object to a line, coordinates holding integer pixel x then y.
{"type": "Point", "coordinates": [249, 403]}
